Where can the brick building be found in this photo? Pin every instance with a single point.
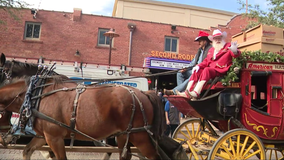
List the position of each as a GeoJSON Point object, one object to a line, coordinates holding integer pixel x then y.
{"type": "Point", "coordinates": [59, 35]}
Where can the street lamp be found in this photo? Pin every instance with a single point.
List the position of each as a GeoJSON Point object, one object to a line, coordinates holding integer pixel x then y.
{"type": "Point", "coordinates": [110, 34]}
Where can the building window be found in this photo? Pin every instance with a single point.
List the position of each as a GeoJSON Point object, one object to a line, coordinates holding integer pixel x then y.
{"type": "Point", "coordinates": [32, 30]}
{"type": "Point", "coordinates": [103, 40]}
{"type": "Point", "coordinates": [171, 44]}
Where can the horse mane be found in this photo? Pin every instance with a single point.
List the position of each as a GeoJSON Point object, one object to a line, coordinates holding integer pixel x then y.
{"type": "Point", "coordinates": [22, 64]}
{"type": "Point", "coordinates": [59, 79]}
{"type": "Point", "coordinates": [25, 65]}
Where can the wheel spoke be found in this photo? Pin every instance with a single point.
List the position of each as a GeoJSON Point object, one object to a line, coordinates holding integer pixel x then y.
{"type": "Point", "coordinates": [232, 146]}
{"type": "Point", "coordinates": [244, 145]}
{"type": "Point", "coordinates": [192, 150]}
{"type": "Point", "coordinates": [254, 153]}
{"type": "Point", "coordinates": [276, 154]}
{"type": "Point", "coordinates": [250, 147]}
{"type": "Point", "coordinates": [222, 156]}
{"type": "Point", "coordinates": [192, 126]}
{"type": "Point", "coordinates": [180, 139]}
{"type": "Point", "coordinates": [226, 150]}
{"type": "Point", "coordinates": [282, 154]}
{"type": "Point", "coordinates": [184, 134]}
{"type": "Point", "coordinates": [197, 131]}
{"type": "Point", "coordinates": [190, 155]}
{"type": "Point", "coordinates": [238, 145]}
{"type": "Point", "coordinates": [270, 155]}
{"type": "Point", "coordinates": [188, 132]}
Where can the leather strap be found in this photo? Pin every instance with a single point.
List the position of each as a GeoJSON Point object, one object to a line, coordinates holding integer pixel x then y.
{"type": "Point", "coordinates": [80, 89]}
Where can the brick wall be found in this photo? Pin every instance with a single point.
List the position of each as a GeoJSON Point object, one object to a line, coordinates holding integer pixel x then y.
{"type": "Point", "coordinates": [62, 34]}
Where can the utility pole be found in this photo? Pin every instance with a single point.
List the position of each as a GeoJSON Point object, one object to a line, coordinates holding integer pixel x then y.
{"type": "Point", "coordinates": [246, 6]}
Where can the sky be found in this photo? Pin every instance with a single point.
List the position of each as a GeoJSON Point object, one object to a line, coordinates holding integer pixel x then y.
{"type": "Point", "coordinates": [105, 7]}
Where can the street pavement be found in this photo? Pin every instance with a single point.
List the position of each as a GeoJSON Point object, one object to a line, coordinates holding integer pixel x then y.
{"type": "Point", "coordinates": [7, 154]}
{"type": "Point", "coordinates": [12, 154]}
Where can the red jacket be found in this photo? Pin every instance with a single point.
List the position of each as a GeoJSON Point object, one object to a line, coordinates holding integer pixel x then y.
{"type": "Point", "coordinates": [223, 60]}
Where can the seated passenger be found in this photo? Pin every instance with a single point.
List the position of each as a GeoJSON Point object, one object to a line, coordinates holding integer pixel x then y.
{"type": "Point", "coordinates": [217, 63]}
{"type": "Point", "coordinates": [184, 74]}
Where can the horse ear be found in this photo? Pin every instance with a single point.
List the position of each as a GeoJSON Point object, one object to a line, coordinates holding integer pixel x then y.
{"type": "Point", "coordinates": [3, 60]}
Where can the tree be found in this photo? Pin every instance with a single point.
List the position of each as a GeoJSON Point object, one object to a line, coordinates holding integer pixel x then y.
{"type": "Point", "coordinates": [12, 7]}
{"type": "Point", "coordinates": [273, 16]}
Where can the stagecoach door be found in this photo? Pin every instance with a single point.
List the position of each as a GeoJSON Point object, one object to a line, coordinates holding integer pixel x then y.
{"type": "Point", "coordinates": [263, 99]}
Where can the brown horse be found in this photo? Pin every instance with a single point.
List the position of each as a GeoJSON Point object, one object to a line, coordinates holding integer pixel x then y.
{"type": "Point", "coordinates": [102, 111]}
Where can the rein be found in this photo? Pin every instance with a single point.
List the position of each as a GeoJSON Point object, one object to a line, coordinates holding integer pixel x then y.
{"type": "Point", "coordinates": [17, 96]}
{"type": "Point", "coordinates": [65, 89]}
{"type": "Point", "coordinates": [99, 80]}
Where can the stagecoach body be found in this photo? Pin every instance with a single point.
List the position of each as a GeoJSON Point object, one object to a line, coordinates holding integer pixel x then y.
{"type": "Point", "coordinates": [253, 104]}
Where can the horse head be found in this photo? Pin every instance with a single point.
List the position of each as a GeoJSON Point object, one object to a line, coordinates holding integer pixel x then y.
{"type": "Point", "coordinates": [8, 71]}
{"type": "Point", "coordinates": [14, 69]}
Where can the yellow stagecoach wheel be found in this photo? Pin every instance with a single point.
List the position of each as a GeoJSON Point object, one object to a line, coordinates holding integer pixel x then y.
{"type": "Point", "coordinates": [238, 144]}
{"type": "Point", "coordinates": [188, 131]}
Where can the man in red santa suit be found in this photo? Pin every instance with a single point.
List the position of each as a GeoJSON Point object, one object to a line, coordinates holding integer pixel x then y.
{"type": "Point", "coordinates": [217, 63]}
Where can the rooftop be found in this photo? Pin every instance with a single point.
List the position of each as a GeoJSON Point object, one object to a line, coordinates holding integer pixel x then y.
{"type": "Point", "coordinates": [168, 4]}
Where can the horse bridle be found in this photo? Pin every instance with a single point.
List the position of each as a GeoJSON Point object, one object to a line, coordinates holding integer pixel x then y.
{"type": "Point", "coordinates": [9, 73]}
{"type": "Point", "coordinates": [8, 78]}
{"type": "Point", "coordinates": [3, 111]}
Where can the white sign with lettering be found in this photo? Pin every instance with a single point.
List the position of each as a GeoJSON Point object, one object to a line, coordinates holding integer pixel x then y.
{"type": "Point", "coordinates": [263, 66]}
{"type": "Point", "coordinates": [165, 64]}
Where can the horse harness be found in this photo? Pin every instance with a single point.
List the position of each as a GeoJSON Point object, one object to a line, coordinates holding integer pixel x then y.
{"type": "Point", "coordinates": [80, 89]}
{"type": "Point", "coordinates": [130, 128]}
{"type": "Point", "coordinates": [34, 95]}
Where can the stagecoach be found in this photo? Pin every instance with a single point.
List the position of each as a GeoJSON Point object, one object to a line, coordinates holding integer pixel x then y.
{"type": "Point", "coordinates": [242, 120]}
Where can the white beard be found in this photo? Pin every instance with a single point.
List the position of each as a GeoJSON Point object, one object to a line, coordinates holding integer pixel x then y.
{"type": "Point", "coordinates": [218, 47]}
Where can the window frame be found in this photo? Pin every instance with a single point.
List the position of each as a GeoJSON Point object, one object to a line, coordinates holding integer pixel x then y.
{"type": "Point", "coordinates": [98, 39]}
{"type": "Point", "coordinates": [26, 27]}
{"type": "Point", "coordinates": [171, 38]}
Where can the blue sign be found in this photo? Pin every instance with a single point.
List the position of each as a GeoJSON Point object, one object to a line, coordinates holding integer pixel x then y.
{"type": "Point", "coordinates": [79, 78]}
{"type": "Point", "coordinates": [131, 84]}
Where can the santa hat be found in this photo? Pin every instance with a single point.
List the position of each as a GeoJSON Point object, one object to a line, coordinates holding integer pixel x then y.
{"type": "Point", "coordinates": [202, 34]}
{"type": "Point", "coordinates": [217, 33]}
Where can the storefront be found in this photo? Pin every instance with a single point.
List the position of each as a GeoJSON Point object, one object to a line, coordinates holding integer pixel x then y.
{"type": "Point", "coordinates": [159, 62]}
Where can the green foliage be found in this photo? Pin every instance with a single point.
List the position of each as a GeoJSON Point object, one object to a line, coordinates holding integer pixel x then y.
{"type": "Point", "coordinates": [12, 7]}
{"type": "Point", "coordinates": [239, 62]}
{"type": "Point", "coordinates": [273, 16]}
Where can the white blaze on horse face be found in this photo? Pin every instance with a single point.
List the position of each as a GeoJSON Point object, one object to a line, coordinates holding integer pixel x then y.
{"type": "Point", "coordinates": [0, 115]}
